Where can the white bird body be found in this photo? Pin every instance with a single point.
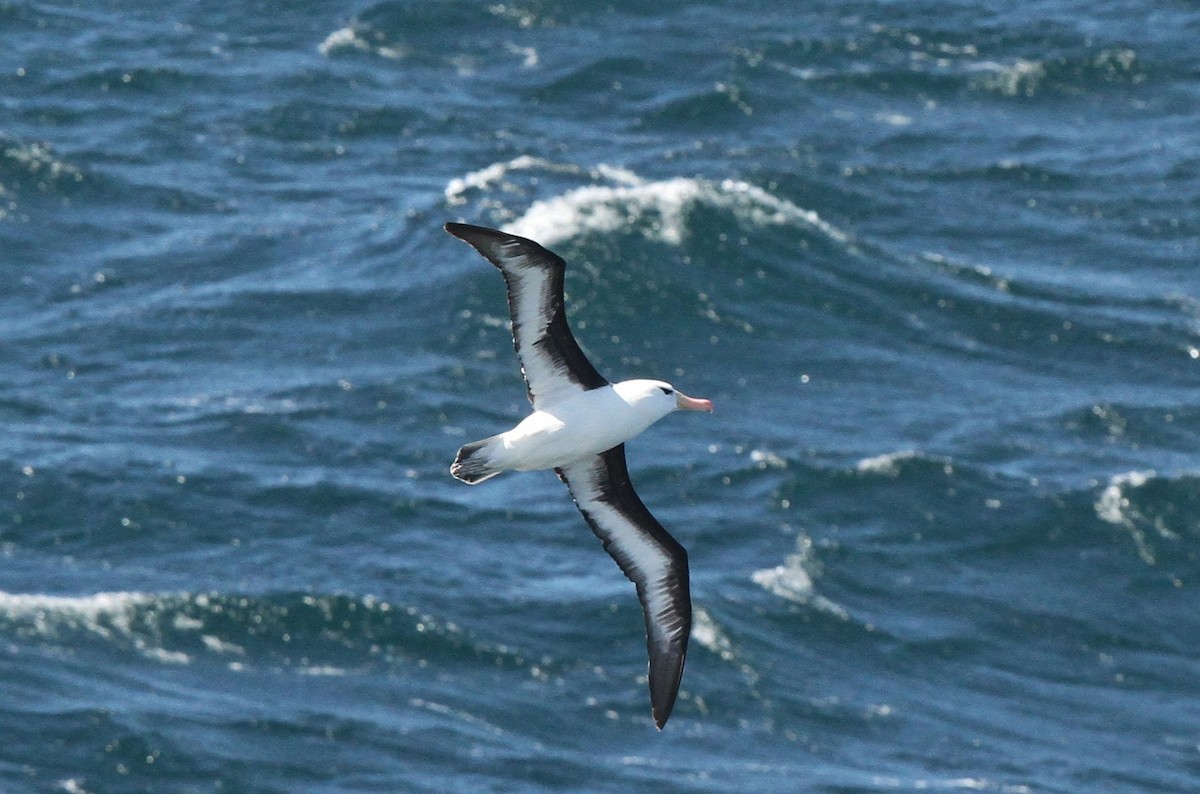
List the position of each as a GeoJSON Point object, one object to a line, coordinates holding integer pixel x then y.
{"type": "Point", "coordinates": [582, 425]}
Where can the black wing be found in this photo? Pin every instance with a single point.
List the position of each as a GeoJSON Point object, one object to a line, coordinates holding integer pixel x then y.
{"type": "Point", "coordinates": [551, 360]}
{"type": "Point", "coordinates": [652, 559]}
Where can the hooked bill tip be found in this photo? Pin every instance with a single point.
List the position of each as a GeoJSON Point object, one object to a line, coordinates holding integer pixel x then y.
{"type": "Point", "coordinates": [686, 403]}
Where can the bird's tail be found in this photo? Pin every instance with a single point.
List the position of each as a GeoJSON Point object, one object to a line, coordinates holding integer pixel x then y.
{"type": "Point", "coordinates": [474, 462]}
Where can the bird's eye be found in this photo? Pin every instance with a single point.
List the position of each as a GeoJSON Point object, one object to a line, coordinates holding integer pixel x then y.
{"type": "Point", "coordinates": [664, 389]}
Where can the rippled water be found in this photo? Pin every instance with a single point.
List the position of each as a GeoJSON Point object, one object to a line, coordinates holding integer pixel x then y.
{"type": "Point", "coordinates": [934, 262]}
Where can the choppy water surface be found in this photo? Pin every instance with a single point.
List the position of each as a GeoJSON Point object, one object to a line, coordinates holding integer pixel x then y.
{"type": "Point", "coordinates": [934, 262]}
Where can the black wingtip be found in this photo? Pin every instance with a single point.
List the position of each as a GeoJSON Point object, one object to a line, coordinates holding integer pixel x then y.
{"type": "Point", "coordinates": [464, 231]}
{"type": "Point", "coordinates": [481, 235]}
{"type": "Point", "coordinates": [661, 707]}
{"type": "Point", "coordinates": [490, 243]}
{"type": "Point", "coordinates": [665, 674]}
{"type": "Point", "coordinates": [662, 711]}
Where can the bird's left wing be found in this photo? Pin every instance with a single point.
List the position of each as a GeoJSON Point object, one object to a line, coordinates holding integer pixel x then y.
{"type": "Point", "coordinates": [551, 360]}
{"type": "Point", "coordinates": [649, 556]}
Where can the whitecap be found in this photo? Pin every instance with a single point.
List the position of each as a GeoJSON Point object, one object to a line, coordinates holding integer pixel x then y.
{"type": "Point", "coordinates": [322, 670]}
{"type": "Point", "coordinates": [104, 614]}
{"type": "Point", "coordinates": [1114, 507]}
{"type": "Point", "coordinates": [793, 582]}
{"type": "Point", "coordinates": [709, 634]}
{"type": "Point", "coordinates": [1019, 78]}
{"type": "Point", "coordinates": [107, 615]}
{"type": "Point", "coordinates": [887, 464]}
{"type": "Point", "coordinates": [951, 784]}
{"type": "Point", "coordinates": [664, 203]}
{"type": "Point", "coordinates": [496, 175]}
{"type": "Point", "coordinates": [766, 459]}
{"type": "Point", "coordinates": [488, 176]}
{"type": "Point", "coordinates": [706, 632]}
{"type": "Point", "coordinates": [354, 37]}
{"type": "Point", "coordinates": [529, 55]}
{"type": "Point", "coordinates": [218, 645]}
{"type": "Point", "coordinates": [604, 208]}
{"type": "Point", "coordinates": [618, 198]}
{"type": "Point", "coordinates": [343, 38]}
{"type": "Point", "coordinates": [162, 654]}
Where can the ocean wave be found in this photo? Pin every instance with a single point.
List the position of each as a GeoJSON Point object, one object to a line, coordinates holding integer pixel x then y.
{"type": "Point", "coordinates": [893, 464]}
{"type": "Point", "coordinates": [357, 36]}
{"type": "Point", "coordinates": [1163, 427]}
{"type": "Point", "coordinates": [665, 203]}
{"type": "Point", "coordinates": [708, 633]}
{"type": "Point", "coordinates": [938, 65]}
{"type": "Point", "coordinates": [316, 634]}
{"type": "Point", "coordinates": [618, 198]}
{"type": "Point", "coordinates": [1075, 73]}
{"type": "Point", "coordinates": [497, 175]}
{"type": "Point", "coordinates": [116, 617]}
{"type": "Point", "coordinates": [793, 580]}
{"type": "Point", "coordinates": [1157, 512]}
{"type": "Point", "coordinates": [407, 31]}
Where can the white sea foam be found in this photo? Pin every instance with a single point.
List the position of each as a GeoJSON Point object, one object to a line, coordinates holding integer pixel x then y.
{"type": "Point", "coordinates": [529, 55]}
{"type": "Point", "coordinates": [617, 198]}
{"type": "Point", "coordinates": [352, 37]}
{"type": "Point", "coordinates": [161, 654]}
{"type": "Point", "coordinates": [710, 635]}
{"type": "Point", "coordinates": [495, 176]}
{"type": "Point", "coordinates": [605, 208]}
{"type": "Point", "coordinates": [1114, 507]}
{"type": "Point", "coordinates": [949, 784]}
{"type": "Point", "coordinates": [488, 176]}
{"type": "Point", "coordinates": [322, 670]}
{"type": "Point", "coordinates": [706, 632]}
{"type": "Point", "coordinates": [1021, 77]}
{"type": "Point", "coordinates": [343, 38]}
{"type": "Point", "coordinates": [890, 463]}
{"type": "Point", "coordinates": [885, 464]}
{"type": "Point", "coordinates": [793, 582]}
{"type": "Point", "coordinates": [766, 459]}
{"type": "Point", "coordinates": [218, 645]}
{"type": "Point", "coordinates": [107, 615]}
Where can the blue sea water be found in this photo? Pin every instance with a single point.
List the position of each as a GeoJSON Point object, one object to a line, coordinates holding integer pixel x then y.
{"type": "Point", "coordinates": [936, 263]}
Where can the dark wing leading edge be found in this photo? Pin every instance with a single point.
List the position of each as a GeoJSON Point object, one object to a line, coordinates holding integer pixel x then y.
{"type": "Point", "coordinates": [553, 365]}
{"type": "Point", "coordinates": [652, 559]}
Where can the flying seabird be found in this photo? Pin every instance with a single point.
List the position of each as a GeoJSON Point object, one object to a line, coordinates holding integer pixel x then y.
{"type": "Point", "coordinates": [579, 426]}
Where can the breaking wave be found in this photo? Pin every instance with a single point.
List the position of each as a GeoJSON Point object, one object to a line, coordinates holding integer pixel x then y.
{"type": "Point", "coordinates": [616, 198]}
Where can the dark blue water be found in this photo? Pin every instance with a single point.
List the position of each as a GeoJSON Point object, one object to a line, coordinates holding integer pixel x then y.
{"type": "Point", "coordinates": [935, 262]}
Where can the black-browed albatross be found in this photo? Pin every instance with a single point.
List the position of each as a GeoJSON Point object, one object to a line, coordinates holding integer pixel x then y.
{"type": "Point", "coordinates": [579, 426]}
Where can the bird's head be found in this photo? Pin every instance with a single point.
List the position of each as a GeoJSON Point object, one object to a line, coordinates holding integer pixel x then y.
{"type": "Point", "coordinates": [659, 398]}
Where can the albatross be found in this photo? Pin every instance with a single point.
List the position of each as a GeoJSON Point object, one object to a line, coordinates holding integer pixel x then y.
{"type": "Point", "coordinates": [578, 428]}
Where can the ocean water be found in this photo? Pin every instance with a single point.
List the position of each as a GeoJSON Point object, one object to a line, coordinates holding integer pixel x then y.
{"type": "Point", "coordinates": [936, 263]}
